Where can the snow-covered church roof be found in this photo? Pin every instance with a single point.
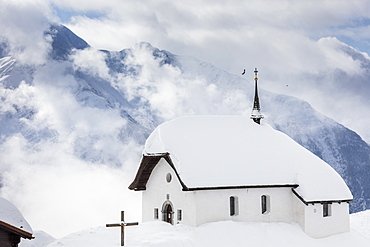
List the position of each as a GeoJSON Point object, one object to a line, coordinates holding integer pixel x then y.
{"type": "Point", "coordinates": [231, 151]}
{"type": "Point", "coordinates": [12, 219]}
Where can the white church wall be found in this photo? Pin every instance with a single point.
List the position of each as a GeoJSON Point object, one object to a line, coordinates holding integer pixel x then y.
{"type": "Point", "coordinates": [214, 205]}
{"type": "Point", "coordinates": [202, 206]}
{"type": "Point", "coordinates": [158, 191]}
{"type": "Point", "coordinates": [299, 212]}
{"type": "Point", "coordinates": [318, 226]}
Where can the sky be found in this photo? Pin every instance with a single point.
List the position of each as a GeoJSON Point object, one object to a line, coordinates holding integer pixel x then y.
{"type": "Point", "coordinates": [296, 46]}
{"type": "Point", "coordinates": [229, 34]}
{"type": "Point", "coordinates": [281, 38]}
{"type": "Point", "coordinates": [292, 43]}
{"type": "Point", "coordinates": [221, 32]}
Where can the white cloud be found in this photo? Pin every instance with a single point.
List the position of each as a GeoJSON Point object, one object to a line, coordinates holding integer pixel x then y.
{"type": "Point", "coordinates": [59, 184]}
{"type": "Point", "coordinates": [55, 187]}
{"type": "Point", "coordinates": [20, 97]}
{"type": "Point", "coordinates": [336, 58]}
{"type": "Point", "coordinates": [171, 92]}
{"type": "Point", "coordinates": [23, 24]}
{"type": "Point", "coordinates": [272, 34]}
{"type": "Point", "coordinates": [60, 193]}
{"type": "Point", "coordinates": [92, 61]}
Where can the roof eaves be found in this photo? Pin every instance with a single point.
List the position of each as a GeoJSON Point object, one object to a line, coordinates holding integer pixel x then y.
{"type": "Point", "coordinates": [16, 230]}
{"type": "Point", "coordinates": [156, 154]}
{"type": "Point", "coordinates": [318, 201]}
{"type": "Point", "coordinates": [148, 162]}
{"type": "Point", "coordinates": [243, 187]}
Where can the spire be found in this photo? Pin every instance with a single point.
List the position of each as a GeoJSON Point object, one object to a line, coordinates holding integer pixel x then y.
{"type": "Point", "coordinates": [256, 115]}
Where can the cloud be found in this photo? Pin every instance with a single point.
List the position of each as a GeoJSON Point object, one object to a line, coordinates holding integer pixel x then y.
{"type": "Point", "coordinates": [78, 178]}
{"type": "Point", "coordinates": [59, 193]}
{"type": "Point", "coordinates": [171, 91]}
{"type": "Point", "coordinates": [233, 15]}
{"type": "Point", "coordinates": [92, 61]}
{"type": "Point", "coordinates": [233, 35]}
{"type": "Point", "coordinates": [23, 24]}
{"type": "Point", "coordinates": [337, 58]}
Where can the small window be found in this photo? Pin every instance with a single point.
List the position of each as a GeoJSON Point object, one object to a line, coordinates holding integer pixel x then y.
{"type": "Point", "coordinates": [156, 214]}
{"type": "Point", "coordinates": [233, 205]}
{"type": "Point", "coordinates": [326, 209]}
{"type": "Point", "coordinates": [179, 214]}
{"type": "Point", "coordinates": [168, 177]}
{"type": "Point", "coordinates": [265, 204]}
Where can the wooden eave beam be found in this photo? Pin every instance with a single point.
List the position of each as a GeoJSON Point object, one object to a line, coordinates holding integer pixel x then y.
{"type": "Point", "coordinates": [319, 201]}
{"type": "Point", "coordinates": [145, 169]}
{"type": "Point", "coordinates": [16, 230]}
{"type": "Point", "coordinates": [244, 187]}
{"type": "Point", "coordinates": [148, 162]}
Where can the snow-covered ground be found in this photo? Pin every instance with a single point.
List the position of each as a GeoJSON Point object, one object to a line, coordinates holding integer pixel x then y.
{"type": "Point", "coordinates": [227, 233]}
{"type": "Point", "coordinates": [360, 224]}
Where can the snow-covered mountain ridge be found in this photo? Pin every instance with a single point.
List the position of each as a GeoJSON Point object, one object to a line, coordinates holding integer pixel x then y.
{"type": "Point", "coordinates": [98, 107]}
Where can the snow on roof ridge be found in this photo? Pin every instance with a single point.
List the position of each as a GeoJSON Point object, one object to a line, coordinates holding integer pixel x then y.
{"type": "Point", "coordinates": [216, 151]}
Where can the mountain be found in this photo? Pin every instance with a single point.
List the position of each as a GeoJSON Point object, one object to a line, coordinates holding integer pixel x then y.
{"type": "Point", "coordinates": [93, 104]}
{"type": "Point", "coordinates": [63, 41]}
{"type": "Point", "coordinates": [340, 147]}
{"type": "Point", "coordinates": [339, 90]}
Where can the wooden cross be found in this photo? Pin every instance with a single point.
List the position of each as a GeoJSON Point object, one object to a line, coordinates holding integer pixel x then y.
{"type": "Point", "coordinates": [122, 225]}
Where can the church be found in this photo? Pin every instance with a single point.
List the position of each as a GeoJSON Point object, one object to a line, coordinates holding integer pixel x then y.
{"type": "Point", "coordinates": [201, 169]}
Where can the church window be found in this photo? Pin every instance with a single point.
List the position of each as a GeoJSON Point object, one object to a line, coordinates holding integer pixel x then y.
{"type": "Point", "coordinates": [156, 214]}
{"type": "Point", "coordinates": [265, 204]}
{"type": "Point", "coordinates": [233, 205]}
{"type": "Point", "coordinates": [179, 214]}
{"type": "Point", "coordinates": [326, 209]}
{"type": "Point", "coordinates": [168, 177]}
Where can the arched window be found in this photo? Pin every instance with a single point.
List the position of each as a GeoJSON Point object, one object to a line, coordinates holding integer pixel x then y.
{"type": "Point", "coordinates": [234, 206]}
{"type": "Point", "coordinates": [265, 204]}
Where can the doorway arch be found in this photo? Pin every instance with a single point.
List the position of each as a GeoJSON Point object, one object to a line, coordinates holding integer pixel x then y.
{"type": "Point", "coordinates": [167, 212]}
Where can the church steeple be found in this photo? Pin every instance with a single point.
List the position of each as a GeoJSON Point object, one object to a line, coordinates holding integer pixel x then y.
{"type": "Point", "coordinates": [256, 114]}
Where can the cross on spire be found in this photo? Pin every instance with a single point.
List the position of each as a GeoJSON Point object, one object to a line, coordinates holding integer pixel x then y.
{"type": "Point", "coordinates": [122, 225]}
{"type": "Point", "coordinates": [256, 114]}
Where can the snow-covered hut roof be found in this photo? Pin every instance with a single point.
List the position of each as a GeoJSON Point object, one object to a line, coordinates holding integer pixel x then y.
{"type": "Point", "coordinates": [232, 151]}
{"type": "Point", "coordinates": [12, 220]}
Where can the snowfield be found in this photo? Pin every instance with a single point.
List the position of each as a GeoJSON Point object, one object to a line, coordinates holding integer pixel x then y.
{"type": "Point", "coordinates": [226, 233]}
{"type": "Point", "coordinates": [360, 223]}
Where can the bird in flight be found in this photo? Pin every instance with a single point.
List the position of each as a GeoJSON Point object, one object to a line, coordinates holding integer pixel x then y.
{"type": "Point", "coordinates": [243, 72]}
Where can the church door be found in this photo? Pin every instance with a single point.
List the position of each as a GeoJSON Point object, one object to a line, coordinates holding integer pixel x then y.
{"type": "Point", "coordinates": [167, 213]}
